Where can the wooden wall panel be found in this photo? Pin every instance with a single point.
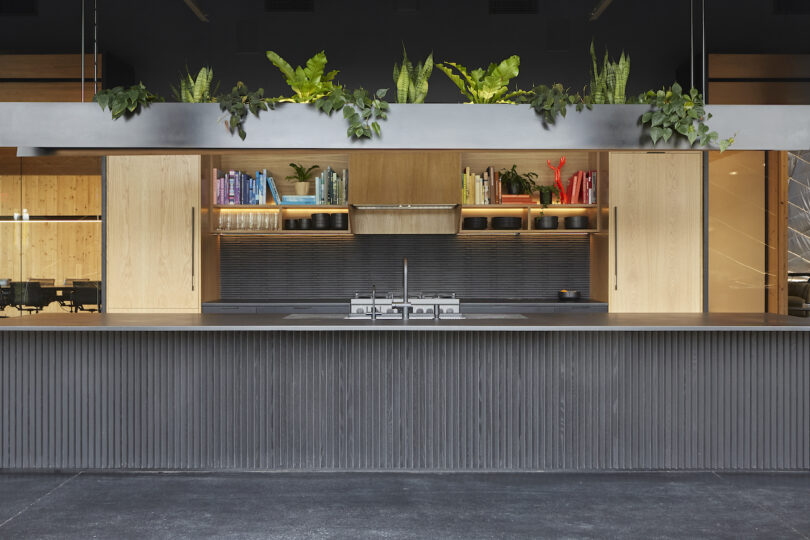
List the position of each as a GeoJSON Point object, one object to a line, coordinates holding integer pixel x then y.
{"type": "Point", "coordinates": [62, 195]}
{"type": "Point", "coordinates": [759, 92]}
{"type": "Point", "coordinates": [758, 66]}
{"type": "Point", "coordinates": [777, 232]}
{"type": "Point", "coordinates": [45, 91]}
{"type": "Point", "coordinates": [737, 232]}
{"type": "Point", "coordinates": [10, 250]}
{"type": "Point", "coordinates": [9, 194]}
{"type": "Point", "coordinates": [656, 242]}
{"type": "Point", "coordinates": [153, 251]}
{"type": "Point", "coordinates": [405, 177]}
{"type": "Point", "coordinates": [47, 66]}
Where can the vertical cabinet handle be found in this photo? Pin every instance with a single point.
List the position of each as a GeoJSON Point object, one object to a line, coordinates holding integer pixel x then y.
{"type": "Point", "coordinates": [192, 248]}
{"type": "Point", "coordinates": [615, 248]}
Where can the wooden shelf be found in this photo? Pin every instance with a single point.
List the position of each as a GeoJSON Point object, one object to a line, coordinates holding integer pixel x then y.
{"type": "Point", "coordinates": [281, 207]}
{"type": "Point", "coordinates": [532, 206]}
{"type": "Point", "coordinates": [304, 232]}
{"type": "Point", "coordinates": [465, 232]}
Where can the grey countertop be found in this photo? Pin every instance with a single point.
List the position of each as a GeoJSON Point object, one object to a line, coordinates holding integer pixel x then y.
{"type": "Point", "coordinates": [528, 322]}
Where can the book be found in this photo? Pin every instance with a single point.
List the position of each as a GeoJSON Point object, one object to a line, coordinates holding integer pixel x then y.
{"type": "Point", "coordinates": [274, 190]}
{"type": "Point", "coordinates": [516, 199]}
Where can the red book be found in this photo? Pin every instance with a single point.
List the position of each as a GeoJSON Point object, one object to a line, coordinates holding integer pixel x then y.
{"type": "Point", "coordinates": [569, 190]}
{"type": "Point", "coordinates": [516, 199]}
{"type": "Point", "coordinates": [576, 188]}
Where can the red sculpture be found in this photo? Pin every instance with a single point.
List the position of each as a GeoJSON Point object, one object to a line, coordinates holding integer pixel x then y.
{"type": "Point", "coordinates": [557, 179]}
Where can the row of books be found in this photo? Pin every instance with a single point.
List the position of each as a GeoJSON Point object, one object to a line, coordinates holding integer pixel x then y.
{"type": "Point", "coordinates": [484, 188]}
{"type": "Point", "coordinates": [331, 188]}
{"type": "Point", "coordinates": [581, 188]}
{"type": "Point", "coordinates": [237, 187]}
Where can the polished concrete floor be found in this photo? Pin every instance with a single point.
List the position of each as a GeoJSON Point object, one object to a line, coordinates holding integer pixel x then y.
{"type": "Point", "coordinates": [383, 505]}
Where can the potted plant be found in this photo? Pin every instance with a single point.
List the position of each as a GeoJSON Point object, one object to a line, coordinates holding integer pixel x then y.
{"type": "Point", "coordinates": [546, 193]}
{"type": "Point", "coordinates": [515, 183]}
{"type": "Point", "coordinates": [301, 177]}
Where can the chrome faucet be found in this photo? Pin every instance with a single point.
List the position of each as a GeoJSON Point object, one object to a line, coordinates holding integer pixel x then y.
{"type": "Point", "coordinates": [405, 304]}
{"type": "Point", "coordinates": [373, 302]}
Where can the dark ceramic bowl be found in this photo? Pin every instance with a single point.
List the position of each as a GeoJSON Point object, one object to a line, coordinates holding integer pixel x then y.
{"type": "Point", "coordinates": [340, 221]}
{"type": "Point", "coordinates": [304, 223]}
{"type": "Point", "coordinates": [475, 223]}
{"type": "Point", "coordinates": [568, 296]}
{"type": "Point", "coordinates": [290, 224]}
{"type": "Point", "coordinates": [507, 223]}
{"type": "Point", "coordinates": [576, 222]}
{"type": "Point", "coordinates": [321, 221]}
{"type": "Point", "coordinates": [546, 222]}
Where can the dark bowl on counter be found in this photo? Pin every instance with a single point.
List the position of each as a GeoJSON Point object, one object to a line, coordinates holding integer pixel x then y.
{"type": "Point", "coordinates": [507, 223]}
{"type": "Point", "coordinates": [546, 222]}
{"type": "Point", "coordinates": [568, 296]}
{"type": "Point", "coordinates": [340, 221]}
{"type": "Point", "coordinates": [474, 223]}
{"type": "Point", "coordinates": [290, 224]}
{"type": "Point", "coordinates": [305, 223]}
{"type": "Point", "coordinates": [576, 222]}
{"type": "Point", "coordinates": [321, 221]}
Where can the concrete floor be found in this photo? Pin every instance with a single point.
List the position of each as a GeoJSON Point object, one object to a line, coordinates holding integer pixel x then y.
{"type": "Point", "coordinates": [385, 505]}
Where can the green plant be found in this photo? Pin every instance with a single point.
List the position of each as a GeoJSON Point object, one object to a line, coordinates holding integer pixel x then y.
{"type": "Point", "coordinates": [125, 101]}
{"type": "Point", "coordinates": [238, 103]}
{"type": "Point", "coordinates": [523, 182]}
{"type": "Point", "coordinates": [196, 90]}
{"type": "Point", "coordinates": [490, 86]}
{"type": "Point", "coordinates": [361, 109]}
{"type": "Point", "coordinates": [684, 114]}
{"type": "Point", "coordinates": [552, 101]}
{"type": "Point", "coordinates": [609, 85]}
{"type": "Point", "coordinates": [545, 193]}
{"type": "Point", "coordinates": [301, 174]}
{"type": "Point", "coordinates": [309, 83]}
{"type": "Point", "coordinates": [412, 82]}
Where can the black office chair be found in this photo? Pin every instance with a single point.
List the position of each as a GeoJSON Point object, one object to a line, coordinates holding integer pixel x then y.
{"type": "Point", "coordinates": [85, 293]}
{"type": "Point", "coordinates": [29, 296]}
{"type": "Point", "coordinates": [6, 298]}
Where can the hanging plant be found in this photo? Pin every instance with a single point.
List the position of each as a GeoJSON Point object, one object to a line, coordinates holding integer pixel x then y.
{"type": "Point", "coordinates": [361, 109]}
{"type": "Point", "coordinates": [238, 103]}
{"type": "Point", "coordinates": [553, 101]}
{"type": "Point", "coordinates": [125, 101]}
{"type": "Point", "coordinates": [677, 113]}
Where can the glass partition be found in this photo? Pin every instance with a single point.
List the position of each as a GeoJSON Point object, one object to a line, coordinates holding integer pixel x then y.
{"type": "Point", "coordinates": [50, 235]}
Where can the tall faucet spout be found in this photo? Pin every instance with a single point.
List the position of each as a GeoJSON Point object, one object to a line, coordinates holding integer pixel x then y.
{"type": "Point", "coordinates": [405, 287]}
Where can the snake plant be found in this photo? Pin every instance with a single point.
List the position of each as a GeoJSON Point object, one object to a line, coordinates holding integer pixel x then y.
{"type": "Point", "coordinates": [196, 90]}
{"type": "Point", "coordinates": [309, 83]}
{"type": "Point", "coordinates": [412, 82]}
{"type": "Point", "coordinates": [609, 85]}
{"type": "Point", "coordinates": [490, 86]}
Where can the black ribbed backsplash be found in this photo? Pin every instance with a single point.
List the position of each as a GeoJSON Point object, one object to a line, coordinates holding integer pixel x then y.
{"type": "Point", "coordinates": [268, 268]}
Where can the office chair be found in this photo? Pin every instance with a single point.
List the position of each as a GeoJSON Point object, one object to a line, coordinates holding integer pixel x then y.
{"type": "Point", "coordinates": [85, 293]}
{"type": "Point", "coordinates": [29, 296]}
{"type": "Point", "coordinates": [44, 282]}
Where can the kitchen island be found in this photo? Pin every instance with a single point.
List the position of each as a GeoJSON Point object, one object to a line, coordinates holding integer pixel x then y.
{"type": "Point", "coordinates": [566, 391]}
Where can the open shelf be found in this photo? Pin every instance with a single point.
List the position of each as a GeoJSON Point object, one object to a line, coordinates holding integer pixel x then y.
{"type": "Point", "coordinates": [280, 207]}
{"type": "Point", "coordinates": [283, 232]}
{"type": "Point", "coordinates": [531, 206]}
{"type": "Point", "coordinates": [532, 232]}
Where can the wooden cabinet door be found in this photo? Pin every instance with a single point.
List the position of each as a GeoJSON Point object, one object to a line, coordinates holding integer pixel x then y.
{"type": "Point", "coordinates": [656, 238]}
{"type": "Point", "coordinates": [405, 177]}
{"type": "Point", "coordinates": [153, 234]}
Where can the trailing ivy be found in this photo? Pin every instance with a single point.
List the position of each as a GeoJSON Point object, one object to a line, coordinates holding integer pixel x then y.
{"type": "Point", "coordinates": [238, 103]}
{"type": "Point", "coordinates": [361, 109]}
{"type": "Point", "coordinates": [553, 101]}
{"type": "Point", "coordinates": [125, 101]}
{"type": "Point", "coordinates": [677, 113]}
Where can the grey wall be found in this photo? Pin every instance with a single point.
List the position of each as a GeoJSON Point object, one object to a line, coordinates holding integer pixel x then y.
{"type": "Point", "coordinates": [405, 400]}
{"type": "Point", "coordinates": [363, 38]}
{"type": "Point", "coordinates": [266, 268]}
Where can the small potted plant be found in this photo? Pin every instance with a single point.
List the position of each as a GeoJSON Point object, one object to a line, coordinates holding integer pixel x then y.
{"type": "Point", "coordinates": [546, 193]}
{"type": "Point", "coordinates": [543, 221]}
{"type": "Point", "coordinates": [301, 177]}
{"type": "Point", "coordinates": [517, 184]}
